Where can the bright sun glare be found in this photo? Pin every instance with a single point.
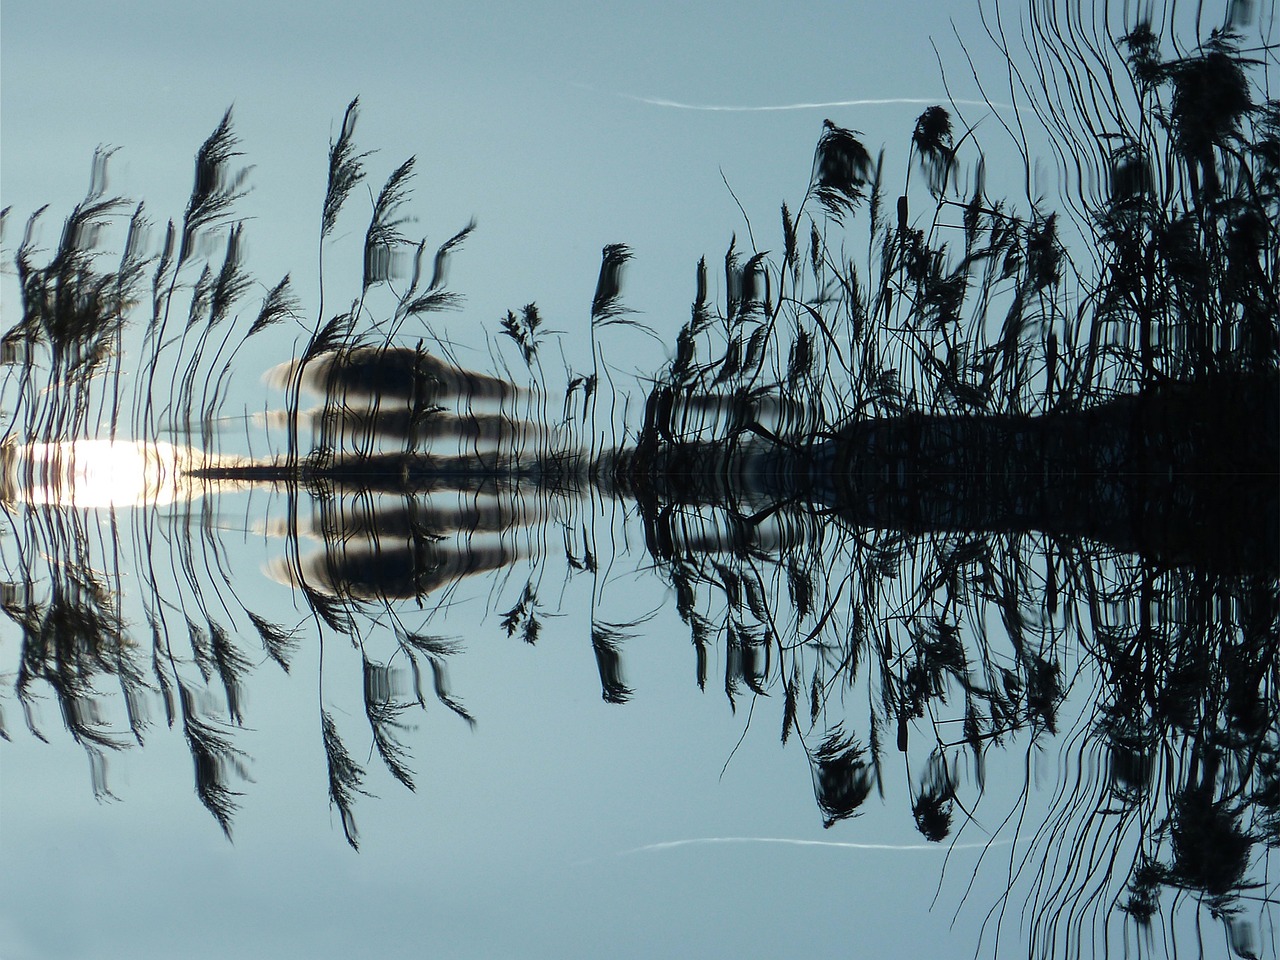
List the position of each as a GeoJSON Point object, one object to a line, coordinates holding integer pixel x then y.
{"type": "Point", "coordinates": [97, 473]}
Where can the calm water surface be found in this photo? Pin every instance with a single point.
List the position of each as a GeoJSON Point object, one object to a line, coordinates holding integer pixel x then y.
{"type": "Point", "coordinates": [579, 785]}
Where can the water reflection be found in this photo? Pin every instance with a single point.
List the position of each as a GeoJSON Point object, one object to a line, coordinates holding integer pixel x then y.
{"type": "Point", "coordinates": [876, 650]}
{"type": "Point", "coordinates": [916, 522]}
{"type": "Point", "coordinates": [100, 473]}
{"type": "Point", "coordinates": [380, 548]}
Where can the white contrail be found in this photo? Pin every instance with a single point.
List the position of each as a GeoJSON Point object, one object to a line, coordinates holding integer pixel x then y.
{"type": "Point", "coordinates": [772, 108]}
{"type": "Point", "coordinates": [936, 847]}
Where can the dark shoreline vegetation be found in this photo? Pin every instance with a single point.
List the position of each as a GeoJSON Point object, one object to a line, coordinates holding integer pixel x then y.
{"type": "Point", "coordinates": [852, 467]}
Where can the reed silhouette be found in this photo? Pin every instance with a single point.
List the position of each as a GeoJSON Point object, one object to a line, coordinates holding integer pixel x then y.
{"type": "Point", "coordinates": [973, 491]}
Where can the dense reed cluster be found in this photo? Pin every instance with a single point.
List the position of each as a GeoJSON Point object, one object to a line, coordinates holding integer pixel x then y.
{"type": "Point", "coordinates": [977, 308]}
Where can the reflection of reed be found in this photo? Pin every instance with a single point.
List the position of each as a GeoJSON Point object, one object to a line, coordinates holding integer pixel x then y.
{"type": "Point", "coordinates": [1185, 735]}
{"type": "Point", "coordinates": [78, 644]}
{"type": "Point", "coordinates": [964, 645]}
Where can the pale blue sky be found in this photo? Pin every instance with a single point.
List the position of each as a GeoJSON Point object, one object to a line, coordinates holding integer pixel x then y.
{"type": "Point", "coordinates": [520, 114]}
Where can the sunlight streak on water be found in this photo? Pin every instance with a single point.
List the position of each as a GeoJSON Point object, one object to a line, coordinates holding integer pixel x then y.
{"type": "Point", "coordinates": [99, 473]}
